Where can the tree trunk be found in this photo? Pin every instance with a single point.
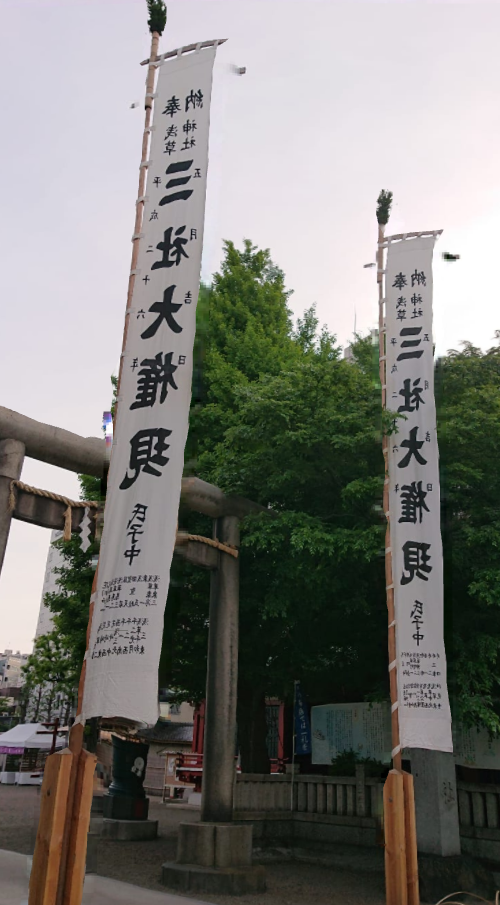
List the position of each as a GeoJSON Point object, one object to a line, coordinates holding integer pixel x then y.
{"type": "Point", "coordinates": [23, 709]}
{"type": "Point", "coordinates": [38, 700]}
{"type": "Point", "coordinates": [252, 730]}
{"type": "Point", "coordinates": [50, 702]}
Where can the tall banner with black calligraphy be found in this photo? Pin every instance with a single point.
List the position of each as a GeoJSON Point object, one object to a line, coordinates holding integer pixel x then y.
{"type": "Point", "coordinates": [414, 507]}
{"type": "Point", "coordinates": [144, 484]}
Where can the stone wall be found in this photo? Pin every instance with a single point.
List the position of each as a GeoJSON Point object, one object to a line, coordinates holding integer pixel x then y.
{"type": "Point", "coordinates": [479, 812]}
{"type": "Point", "coordinates": [311, 808]}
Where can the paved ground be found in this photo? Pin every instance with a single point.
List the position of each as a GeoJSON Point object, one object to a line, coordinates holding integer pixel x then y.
{"type": "Point", "coordinates": [14, 873]}
{"type": "Point", "coordinates": [356, 878]}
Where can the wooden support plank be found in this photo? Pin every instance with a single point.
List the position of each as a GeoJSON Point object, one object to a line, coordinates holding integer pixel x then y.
{"type": "Point", "coordinates": [80, 822]}
{"type": "Point", "coordinates": [396, 889]}
{"type": "Point", "coordinates": [49, 838]}
{"type": "Point", "coordinates": [411, 841]}
{"type": "Point", "coordinates": [76, 746]}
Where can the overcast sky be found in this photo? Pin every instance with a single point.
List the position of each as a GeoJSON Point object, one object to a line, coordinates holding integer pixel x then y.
{"type": "Point", "coordinates": [339, 101]}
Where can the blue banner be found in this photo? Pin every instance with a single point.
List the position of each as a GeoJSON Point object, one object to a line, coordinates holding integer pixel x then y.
{"type": "Point", "coordinates": [302, 724]}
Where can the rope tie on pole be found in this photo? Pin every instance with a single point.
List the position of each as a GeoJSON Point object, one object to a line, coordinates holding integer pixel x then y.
{"type": "Point", "coordinates": [70, 504]}
{"type": "Point", "coordinates": [225, 548]}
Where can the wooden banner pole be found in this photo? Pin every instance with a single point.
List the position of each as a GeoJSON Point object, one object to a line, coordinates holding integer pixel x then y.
{"type": "Point", "coordinates": [393, 679]}
{"type": "Point", "coordinates": [401, 868]}
{"type": "Point", "coordinates": [67, 858]}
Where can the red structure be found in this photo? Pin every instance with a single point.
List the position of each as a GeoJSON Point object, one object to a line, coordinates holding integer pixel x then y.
{"type": "Point", "coordinates": [189, 767]}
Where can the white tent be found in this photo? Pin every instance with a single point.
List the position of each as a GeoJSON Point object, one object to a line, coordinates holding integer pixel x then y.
{"type": "Point", "coordinates": [27, 735]}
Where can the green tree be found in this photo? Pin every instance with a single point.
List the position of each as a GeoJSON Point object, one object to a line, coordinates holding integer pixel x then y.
{"type": "Point", "coordinates": [70, 603]}
{"type": "Point", "coordinates": [278, 416]}
{"type": "Point", "coordinates": [288, 423]}
{"type": "Point", "coordinates": [49, 675]}
{"type": "Point", "coordinates": [468, 408]}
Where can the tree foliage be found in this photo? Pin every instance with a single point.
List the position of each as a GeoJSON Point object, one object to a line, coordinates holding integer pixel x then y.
{"type": "Point", "coordinates": [280, 417]}
{"type": "Point", "coordinates": [384, 204]}
{"type": "Point", "coordinates": [468, 401]}
{"type": "Point", "coordinates": [49, 676]}
{"type": "Point", "coordinates": [287, 422]}
{"type": "Point", "coordinates": [157, 12]}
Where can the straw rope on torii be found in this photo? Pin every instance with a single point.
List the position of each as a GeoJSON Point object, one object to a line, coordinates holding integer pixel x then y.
{"type": "Point", "coordinates": [91, 504]}
{"type": "Point", "coordinates": [71, 504]}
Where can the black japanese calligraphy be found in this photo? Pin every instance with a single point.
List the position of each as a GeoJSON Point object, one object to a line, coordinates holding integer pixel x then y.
{"type": "Point", "coordinates": [410, 343]}
{"type": "Point", "coordinates": [418, 278]}
{"type": "Point", "coordinates": [165, 310]}
{"type": "Point", "coordinates": [417, 620]}
{"type": "Point", "coordinates": [412, 396]}
{"type": "Point", "coordinates": [173, 106]}
{"type": "Point", "coordinates": [413, 502]}
{"type": "Point", "coordinates": [413, 446]}
{"type": "Point", "coordinates": [135, 528]}
{"type": "Point", "coordinates": [172, 251]}
{"type": "Point", "coordinates": [415, 561]}
{"type": "Point", "coordinates": [181, 166]}
{"type": "Point", "coordinates": [400, 281]}
{"type": "Point", "coordinates": [194, 99]}
{"type": "Point", "coordinates": [156, 373]}
{"type": "Point", "coordinates": [146, 450]}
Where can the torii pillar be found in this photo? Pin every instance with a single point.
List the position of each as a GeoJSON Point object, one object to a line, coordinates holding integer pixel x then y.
{"type": "Point", "coordinates": [214, 855]}
{"type": "Point", "coordinates": [12, 454]}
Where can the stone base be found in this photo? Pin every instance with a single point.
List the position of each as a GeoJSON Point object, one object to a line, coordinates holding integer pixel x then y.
{"type": "Point", "coordinates": [97, 805]}
{"type": "Point", "coordinates": [228, 881]}
{"type": "Point", "coordinates": [124, 807]}
{"type": "Point", "coordinates": [217, 845]}
{"type": "Point", "coordinates": [129, 830]}
{"type": "Point", "coordinates": [215, 859]}
{"type": "Point", "coordinates": [438, 876]}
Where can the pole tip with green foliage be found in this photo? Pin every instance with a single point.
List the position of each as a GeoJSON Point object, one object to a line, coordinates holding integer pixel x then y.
{"type": "Point", "coordinates": [384, 202]}
{"type": "Point", "coordinates": [157, 16]}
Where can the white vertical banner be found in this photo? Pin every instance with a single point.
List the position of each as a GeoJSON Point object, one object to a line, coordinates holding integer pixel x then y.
{"type": "Point", "coordinates": [414, 499]}
{"type": "Point", "coordinates": [144, 483]}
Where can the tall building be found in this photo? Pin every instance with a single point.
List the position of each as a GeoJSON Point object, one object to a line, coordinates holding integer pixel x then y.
{"type": "Point", "coordinates": [45, 702]}
{"type": "Point", "coordinates": [45, 622]}
{"type": "Point", "coordinates": [10, 669]}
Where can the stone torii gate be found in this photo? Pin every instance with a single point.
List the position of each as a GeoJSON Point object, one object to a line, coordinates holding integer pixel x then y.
{"type": "Point", "coordinates": [207, 848]}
